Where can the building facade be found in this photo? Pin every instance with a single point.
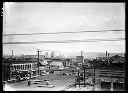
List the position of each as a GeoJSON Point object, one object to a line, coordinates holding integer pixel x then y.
{"type": "Point", "coordinates": [80, 60]}
{"type": "Point", "coordinates": [23, 69]}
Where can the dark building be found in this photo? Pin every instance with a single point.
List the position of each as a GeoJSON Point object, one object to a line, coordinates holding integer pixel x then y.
{"type": "Point", "coordinates": [5, 70]}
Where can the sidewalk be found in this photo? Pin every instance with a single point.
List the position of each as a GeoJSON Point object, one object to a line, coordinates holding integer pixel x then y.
{"type": "Point", "coordinates": [82, 88]}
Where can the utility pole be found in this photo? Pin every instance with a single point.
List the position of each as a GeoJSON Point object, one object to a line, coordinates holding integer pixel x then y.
{"type": "Point", "coordinates": [78, 79]}
{"type": "Point", "coordinates": [38, 61]}
{"type": "Point", "coordinates": [10, 65]}
{"type": "Point", "coordinates": [106, 54]}
{"type": "Point", "coordinates": [108, 58]}
{"type": "Point", "coordinates": [84, 75]}
{"type": "Point", "coordinates": [12, 53]}
{"type": "Point", "coordinates": [94, 75]}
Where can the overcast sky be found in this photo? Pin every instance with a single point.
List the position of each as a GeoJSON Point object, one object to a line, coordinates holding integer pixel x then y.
{"type": "Point", "coordinates": [63, 17]}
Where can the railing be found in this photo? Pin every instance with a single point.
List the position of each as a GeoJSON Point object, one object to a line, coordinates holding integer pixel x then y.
{"type": "Point", "coordinates": [110, 73]}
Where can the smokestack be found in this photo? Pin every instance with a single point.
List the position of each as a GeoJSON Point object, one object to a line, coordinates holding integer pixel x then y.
{"type": "Point", "coordinates": [52, 53]}
{"type": "Point", "coordinates": [82, 56]}
{"type": "Point", "coordinates": [46, 55]}
{"type": "Point", "coordinates": [106, 54]}
{"type": "Point", "coordinates": [108, 57]}
{"type": "Point", "coordinates": [12, 53]}
{"type": "Point", "coordinates": [81, 53]}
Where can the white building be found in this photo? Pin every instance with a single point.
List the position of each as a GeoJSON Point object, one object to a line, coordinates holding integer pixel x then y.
{"type": "Point", "coordinates": [23, 69]}
{"type": "Point", "coordinates": [56, 65]}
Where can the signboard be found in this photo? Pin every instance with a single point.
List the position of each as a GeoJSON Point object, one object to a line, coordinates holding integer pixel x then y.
{"type": "Point", "coordinates": [119, 80]}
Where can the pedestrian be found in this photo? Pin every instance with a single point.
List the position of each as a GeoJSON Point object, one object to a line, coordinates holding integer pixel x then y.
{"type": "Point", "coordinates": [29, 83]}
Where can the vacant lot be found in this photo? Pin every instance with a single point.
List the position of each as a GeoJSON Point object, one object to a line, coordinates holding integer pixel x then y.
{"type": "Point", "coordinates": [60, 82]}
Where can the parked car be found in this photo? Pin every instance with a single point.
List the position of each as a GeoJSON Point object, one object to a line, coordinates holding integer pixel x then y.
{"type": "Point", "coordinates": [36, 81]}
{"type": "Point", "coordinates": [28, 78]}
{"type": "Point", "coordinates": [32, 77]}
{"type": "Point", "coordinates": [37, 76]}
{"type": "Point", "coordinates": [21, 79]}
{"type": "Point", "coordinates": [25, 78]}
{"type": "Point", "coordinates": [48, 86]}
{"type": "Point", "coordinates": [46, 80]}
{"type": "Point", "coordinates": [12, 80]}
{"type": "Point", "coordinates": [42, 74]}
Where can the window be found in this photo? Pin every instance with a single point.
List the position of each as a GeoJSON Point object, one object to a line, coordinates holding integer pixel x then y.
{"type": "Point", "coordinates": [30, 66]}
{"type": "Point", "coordinates": [21, 67]}
{"type": "Point", "coordinates": [18, 67]}
{"type": "Point", "coordinates": [25, 67]}
{"type": "Point", "coordinates": [14, 67]}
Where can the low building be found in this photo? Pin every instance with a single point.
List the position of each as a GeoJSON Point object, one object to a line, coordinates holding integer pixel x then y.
{"type": "Point", "coordinates": [5, 70]}
{"type": "Point", "coordinates": [72, 63]}
{"type": "Point", "coordinates": [114, 80]}
{"type": "Point", "coordinates": [43, 67]}
{"type": "Point", "coordinates": [21, 69]}
{"type": "Point", "coordinates": [80, 60]}
{"type": "Point", "coordinates": [117, 59]}
{"type": "Point", "coordinates": [56, 65]}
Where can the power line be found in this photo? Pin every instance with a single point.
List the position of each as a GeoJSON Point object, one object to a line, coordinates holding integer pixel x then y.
{"type": "Point", "coordinates": [66, 41]}
{"type": "Point", "coordinates": [64, 32]}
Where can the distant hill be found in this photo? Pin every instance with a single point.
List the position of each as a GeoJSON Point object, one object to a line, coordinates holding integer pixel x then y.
{"type": "Point", "coordinates": [91, 54]}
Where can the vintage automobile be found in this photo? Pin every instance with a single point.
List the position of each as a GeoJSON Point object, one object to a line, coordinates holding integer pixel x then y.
{"type": "Point", "coordinates": [36, 81]}
{"type": "Point", "coordinates": [12, 80]}
{"type": "Point", "coordinates": [45, 83]}
{"type": "Point", "coordinates": [48, 86]}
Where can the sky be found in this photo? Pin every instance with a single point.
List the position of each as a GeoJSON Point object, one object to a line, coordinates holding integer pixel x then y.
{"type": "Point", "coordinates": [48, 17]}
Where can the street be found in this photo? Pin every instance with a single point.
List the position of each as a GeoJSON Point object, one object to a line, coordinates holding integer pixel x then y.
{"type": "Point", "coordinates": [60, 82]}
